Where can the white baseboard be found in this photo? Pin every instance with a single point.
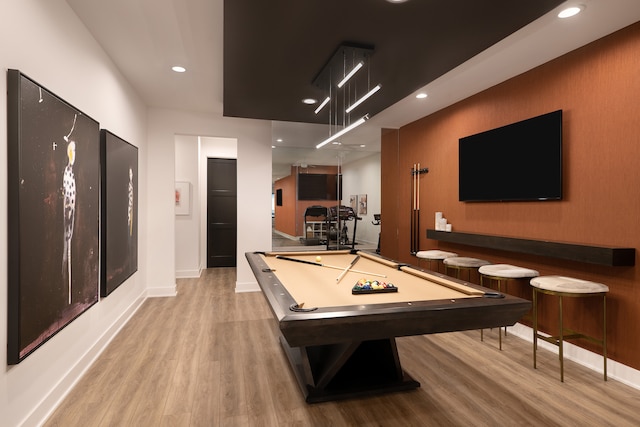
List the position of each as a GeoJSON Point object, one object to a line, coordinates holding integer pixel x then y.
{"type": "Point", "coordinates": [57, 394]}
{"type": "Point", "coordinates": [164, 291]}
{"type": "Point", "coordinates": [247, 287]}
{"type": "Point", "coordinates": [586, 358]}
{"type": "Point", "coordinates": [188, 274]}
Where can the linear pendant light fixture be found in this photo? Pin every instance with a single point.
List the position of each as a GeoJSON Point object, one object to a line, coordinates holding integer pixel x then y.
{"type": "Point", "coordinates": [343, 131]}
{"type": "Point", "coordinates": [344, 67]}
{"type": "Point", "coordinates": [350, 74]}
{"type": "Point", "coordinates": [361, 100]}
{"type": "Point", "coordinates": [322, 104]}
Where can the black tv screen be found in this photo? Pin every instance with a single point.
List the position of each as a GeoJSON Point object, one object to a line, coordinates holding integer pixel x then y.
{"type": "Point", "coordinates": [520, 161]}
{"type": "Point", "coordinates": [315, 186]}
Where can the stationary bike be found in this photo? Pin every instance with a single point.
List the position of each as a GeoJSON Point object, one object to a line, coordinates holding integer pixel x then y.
{"type": "Point", "coordinates": [376, 221]}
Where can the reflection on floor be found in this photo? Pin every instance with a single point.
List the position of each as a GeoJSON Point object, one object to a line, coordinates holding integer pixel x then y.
{"type": "Point", "coordinates": [278, 240]}
{"type": "Point", "coordinates": [283, 242]}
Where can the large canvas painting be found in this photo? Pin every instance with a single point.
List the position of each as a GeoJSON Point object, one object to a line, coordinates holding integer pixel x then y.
{"type": "Point", "coordinates": [119, 211]}
{"type": "Point", "coordinates": [54, 214]}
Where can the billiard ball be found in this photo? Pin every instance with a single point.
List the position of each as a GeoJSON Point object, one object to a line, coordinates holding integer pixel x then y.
{"type": "Point", "coordinates": [318, 258]}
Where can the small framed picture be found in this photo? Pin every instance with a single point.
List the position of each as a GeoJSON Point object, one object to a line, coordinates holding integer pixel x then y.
{"type": "Point", "coordinates": [183, 198]}
{"type": "Point", "coordinates": [362, 204]}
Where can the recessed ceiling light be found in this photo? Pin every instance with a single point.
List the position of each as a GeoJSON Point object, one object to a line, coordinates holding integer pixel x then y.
{"type": "Point", "coordinates": [178, 69]}
{"type": "Point", "coordinates": [421, 95]}
{"type": "Point", "coordinates": [571, 11]}
{"type": "Point", "coordinates": [362, 145]}
{"type": "Point", "coordinates": [279, 140]}
{"type": "Point", "coordinates": [397, 1]}
{"type": "Point", "coordinates": [309, 101]}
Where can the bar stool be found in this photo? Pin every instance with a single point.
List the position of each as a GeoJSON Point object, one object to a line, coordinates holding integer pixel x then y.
{"type": "Point", "coordinates": [561, 286]}
{"type": "Point", "coordinates": [434, 255]}
{"type": "Point", "coordinates": [502, 273]}
{"type": "Point", "coordinates": [463, 263]}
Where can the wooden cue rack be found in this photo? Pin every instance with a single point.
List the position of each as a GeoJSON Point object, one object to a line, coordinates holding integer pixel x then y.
{"type": "Point", "coordinates": [416, 171]}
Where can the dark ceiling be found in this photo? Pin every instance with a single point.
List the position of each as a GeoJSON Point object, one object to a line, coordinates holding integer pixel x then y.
{"type": "Point", "coordinates": [273, 50]}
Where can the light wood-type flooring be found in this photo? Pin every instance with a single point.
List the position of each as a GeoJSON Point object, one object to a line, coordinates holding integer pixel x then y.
{"type": "Point", "coordinates": [210, 357]}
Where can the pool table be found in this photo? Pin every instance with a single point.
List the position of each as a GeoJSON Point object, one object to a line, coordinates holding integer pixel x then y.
{"type": "Point", "coordinates": [341, 342]}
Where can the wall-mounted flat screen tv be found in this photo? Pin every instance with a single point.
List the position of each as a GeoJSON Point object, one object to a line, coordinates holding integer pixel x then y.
{"type": "Point", "coordinates": [316, 186]}
{"type": "Point", "coordinates": [518, 162]}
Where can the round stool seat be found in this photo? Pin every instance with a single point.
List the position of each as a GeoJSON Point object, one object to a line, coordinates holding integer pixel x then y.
{"type": "Point", "coordinates": [507, 271]}
{"type": "Point", "coordinates": [465, 262]}
{"type": "Point", "coordinates": [435, 254]}
{"type": "Point", "coordinates": [568, 285]}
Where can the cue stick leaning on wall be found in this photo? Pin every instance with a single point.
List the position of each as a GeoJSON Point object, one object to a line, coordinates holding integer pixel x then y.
{"type": "Point", "coordinates": [413, 209]}
{"type": "Point", "coordinates": [415, 206]}
{"type": "Point", "coordinates": [417, 230]}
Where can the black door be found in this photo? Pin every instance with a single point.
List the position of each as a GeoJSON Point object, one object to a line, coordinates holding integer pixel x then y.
{"type": "Point", "coordinates": [221, 212]}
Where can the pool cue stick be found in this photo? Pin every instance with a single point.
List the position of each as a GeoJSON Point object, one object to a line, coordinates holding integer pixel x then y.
{"type": "Point", "coordinates": [304, 261]}
{"type": "Point", "coordinates": [414, 174]}
{"type": "Point", "coordinates": [415, 206]}
{"type": "Point", "coordinates": [416, 211]}
{"type": "Point", "coordinates": [413, 197]}
{"type": "Point", "coordinates": [347, 269]}
{"type": "Point", "coordinates": [417, 231]}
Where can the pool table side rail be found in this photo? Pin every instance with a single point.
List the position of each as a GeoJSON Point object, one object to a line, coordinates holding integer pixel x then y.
{"type": "Point", "coordinates": [377, 321]}
{"type": "Point", "coordinates": [275, 293]}
{"type": "Point", "coordinates": [314, 252]}
{"type": "Point", "coordinates": [463, 287]}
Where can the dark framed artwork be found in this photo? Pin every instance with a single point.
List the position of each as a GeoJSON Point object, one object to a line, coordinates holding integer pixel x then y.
{"type": "Point", "coordinates": [119, 241]}
{"type": "Point", "coordinates": [54, 214]}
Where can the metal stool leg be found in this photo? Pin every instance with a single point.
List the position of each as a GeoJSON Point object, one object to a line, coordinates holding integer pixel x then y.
{"type": "Point", "coordinates": [481, 330]}
{"type": "Point", "coordinates": [499, 328]}
{"type": "Point", "coordinates": [535, 326]}
{"type": "Point", "coordinates": [604, 333]}
{"type": "Point", "coordinates": [505, 328]}
{"type": "Point", "coordinates": [560, 340]}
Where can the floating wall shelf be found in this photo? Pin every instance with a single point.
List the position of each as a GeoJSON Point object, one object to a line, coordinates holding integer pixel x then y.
{"type": "Point", "coordinates": [603, 255]}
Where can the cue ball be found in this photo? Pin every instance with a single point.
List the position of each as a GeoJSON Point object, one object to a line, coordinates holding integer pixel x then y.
{"type": "Point", "coordinates": [318, 258]}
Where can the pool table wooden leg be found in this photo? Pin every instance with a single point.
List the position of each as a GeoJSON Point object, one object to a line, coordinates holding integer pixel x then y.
{"type": "Point", "coordinates": [345, 370]}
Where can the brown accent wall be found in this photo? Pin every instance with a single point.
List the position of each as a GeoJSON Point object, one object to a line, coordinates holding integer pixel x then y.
{"type": "Point", "coordinates": [284, 216]}
{"type": "Point", "coordinates": [598, 89]}
{"type": "Point", "coordinates": [394, 188]}
{"type": "Point", "coordinates": [289, 218]}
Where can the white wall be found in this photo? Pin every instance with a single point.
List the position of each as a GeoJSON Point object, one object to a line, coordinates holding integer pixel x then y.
{"type": "Point", "coordinates": [188, 226]}
{"type": "Point", "coordinates": [46, 41]}
{"type": "Point", "coordinates": [254, 188]}
{"type": "Point", "coordinates": [363, 177]}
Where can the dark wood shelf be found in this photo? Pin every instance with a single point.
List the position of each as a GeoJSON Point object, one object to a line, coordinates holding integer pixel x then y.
{"type": "Point", "coordinates": [603, 255]}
